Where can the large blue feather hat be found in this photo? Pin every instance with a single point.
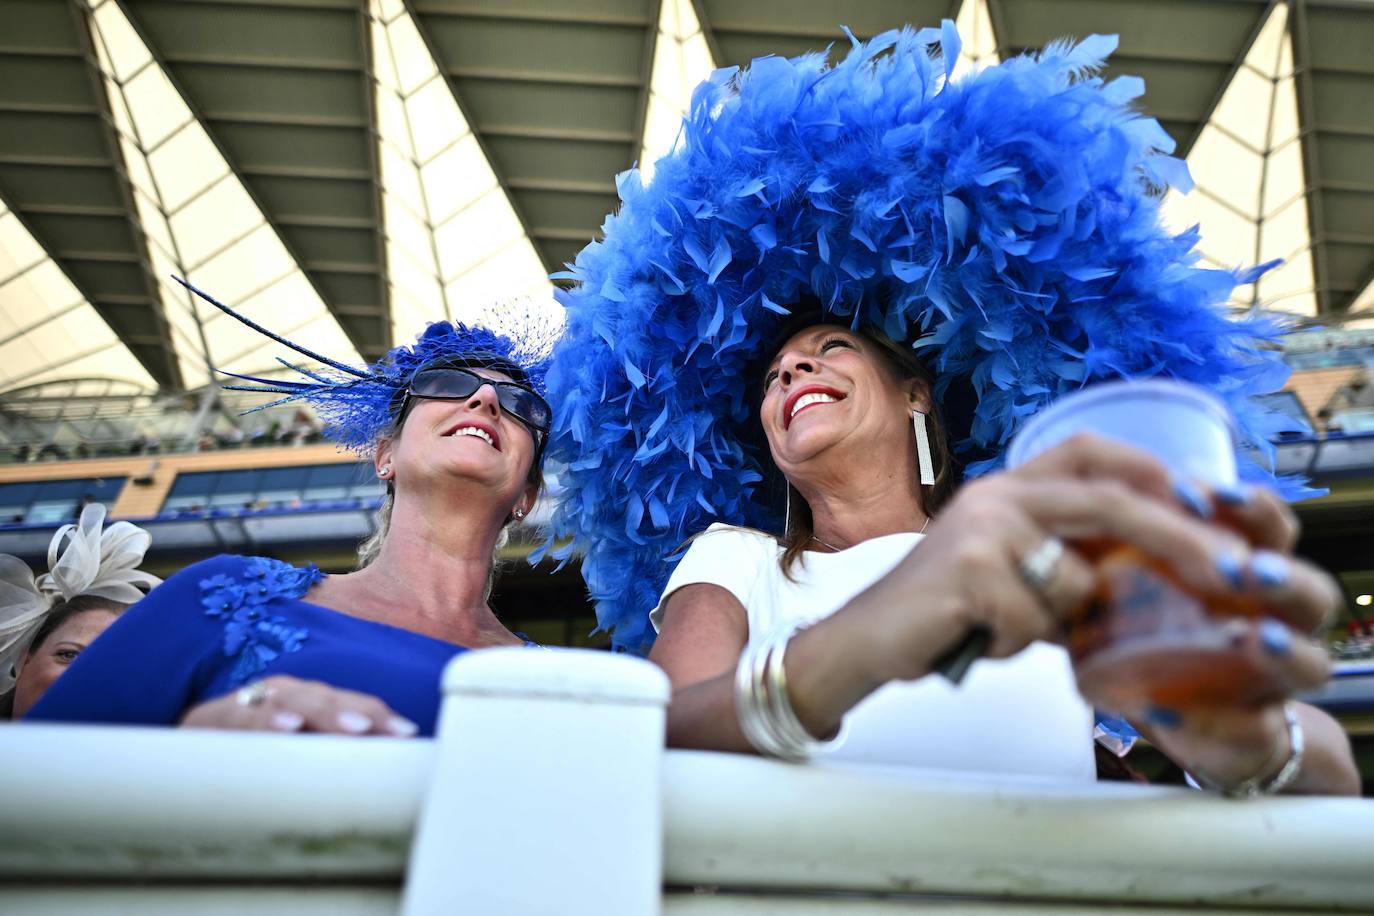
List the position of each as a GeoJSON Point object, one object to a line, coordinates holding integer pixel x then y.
{"type": "Point", "coordinates": [1006, 225]}
{"type": "Point", "coordinates": [359, 405]}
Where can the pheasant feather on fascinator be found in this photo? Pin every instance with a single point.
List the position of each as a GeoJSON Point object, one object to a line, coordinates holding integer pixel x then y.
{"type": "Point", "coordinates": [83, 559]}
{"type": "Point", "coordinates": [1006, 225]}
{"type": "Point", "coordinates": [358, 405]}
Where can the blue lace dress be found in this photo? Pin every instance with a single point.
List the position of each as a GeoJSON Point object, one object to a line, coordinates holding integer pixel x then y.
{"type": "Point", "coordinates": [221, 623]}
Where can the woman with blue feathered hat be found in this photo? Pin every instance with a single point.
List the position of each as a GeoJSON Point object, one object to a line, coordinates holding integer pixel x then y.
{"type": "Point", "coordinates": [456, 425]}
{"type": "Point", "coordinates": [838, 270]}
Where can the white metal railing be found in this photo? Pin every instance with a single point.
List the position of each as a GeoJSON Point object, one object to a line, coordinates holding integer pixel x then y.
{"type": "Point", "coordinates": [549, 792]}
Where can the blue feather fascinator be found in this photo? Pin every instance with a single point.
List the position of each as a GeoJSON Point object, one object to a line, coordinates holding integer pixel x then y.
{"type": "Point", "coordinates": [1006, 225]}
{"type": "Point", "coordinates": [359, 405]}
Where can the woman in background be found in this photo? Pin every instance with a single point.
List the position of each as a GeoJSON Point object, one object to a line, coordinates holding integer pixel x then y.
{"type": "Point", "coordinates": [45, 623]}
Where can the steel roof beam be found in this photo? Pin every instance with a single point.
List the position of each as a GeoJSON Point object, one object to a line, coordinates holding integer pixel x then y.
{"type": "Point", "coordinates": [1311, 159]}
{"type": "Point", "coordinates": [646, 78]}
{"type": "Point", "coordinates": [1185, 146]}
{"type": "Point", "coordinates": [367, 348]}
{"type": "Point", "coordinates": [374, 139]}
{"type": "Point", "coordinates": [168, 364]}
{"type": "Point", "coordinates": [478, 135]}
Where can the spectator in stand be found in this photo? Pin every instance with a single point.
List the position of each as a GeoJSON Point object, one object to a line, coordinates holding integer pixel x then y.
{"type": "Point", "coordinates": [45, 623]}
{"type": "Point", "coordinates": [456, 427]}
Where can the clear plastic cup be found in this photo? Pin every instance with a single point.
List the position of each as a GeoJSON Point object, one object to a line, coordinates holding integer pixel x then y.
{"type": "Point", "coordinates": [1147, 640]}
{"type": "Point", "coordinates": [1186, 427]}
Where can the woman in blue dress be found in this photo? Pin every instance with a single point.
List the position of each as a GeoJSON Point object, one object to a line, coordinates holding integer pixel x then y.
{"type": "Point", "coordinates": [456, 426]}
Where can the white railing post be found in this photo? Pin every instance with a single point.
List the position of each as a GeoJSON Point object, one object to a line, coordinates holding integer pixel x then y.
{"type": "Point", "coordinates": [547, 789]}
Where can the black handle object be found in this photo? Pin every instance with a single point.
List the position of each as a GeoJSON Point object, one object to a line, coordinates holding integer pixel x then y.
{"type": "Point", "coordinates": [955, 662]}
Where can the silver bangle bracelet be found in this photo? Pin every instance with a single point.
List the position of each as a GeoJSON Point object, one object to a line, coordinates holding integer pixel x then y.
{"type": "Point", "coordinates": [1258, 785]}
{"type": "Point", "coordinates": [763, 706]}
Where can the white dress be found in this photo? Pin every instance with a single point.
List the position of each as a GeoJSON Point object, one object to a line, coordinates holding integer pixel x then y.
{"type": "Point", "coordinates": [1020, 716]}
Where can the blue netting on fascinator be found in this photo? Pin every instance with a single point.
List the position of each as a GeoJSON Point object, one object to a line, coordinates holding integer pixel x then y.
{"type": "Point", "coordinates": [1006, 225]}
{"type": "Point", "coordinates": [358, 406]}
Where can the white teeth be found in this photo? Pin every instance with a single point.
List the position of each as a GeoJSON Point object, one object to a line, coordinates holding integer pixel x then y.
{"type": "Point", "coordinates": [814, 397]}
{"type": "Point", "coordinates": [474, 431]}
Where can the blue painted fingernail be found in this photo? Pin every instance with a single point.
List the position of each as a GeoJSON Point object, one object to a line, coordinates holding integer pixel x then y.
{"type": "Point", "coordinates": [1275, 637]}
{"type": "Point", "coordinates": [1230, 568]}
{"type": "Point", "coordinates": [1269, 569]}
{"type": "Point", "coordinates": [1192, 498]}
{"type": "Point", "coordinates": [1163, 717]}
{"type": "Point", "coordinates": [1232, 494]}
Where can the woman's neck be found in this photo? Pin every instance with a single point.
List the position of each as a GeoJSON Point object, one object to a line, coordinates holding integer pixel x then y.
{"type": "Point", "coordinates": [432, 571]}
{"type": "Point", "coordinates": [853, 508]}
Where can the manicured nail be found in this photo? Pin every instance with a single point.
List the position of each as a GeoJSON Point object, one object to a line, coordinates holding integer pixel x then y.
{"type": "Point", "coordinates": [354, 722]}
{"type": "Point", "coordinates": [1163, 717]}
{"type": "Point", "coordinates": [1232, 494]}
{"type": "Point", "coordinates": [1269, 569]}
{"type": "Point", "coordinates": [402, 728]}
{"type": "Point", "coordinates": [1192, 498]}
{"type": "Point", "coordinates": [288, 721]}
{"type": "Point", "coordinates": [1275, 638]}
{"type": "Point", "coordinates": [1229, 565]}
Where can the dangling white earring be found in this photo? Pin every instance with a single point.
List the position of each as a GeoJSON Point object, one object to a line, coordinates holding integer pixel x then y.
{"type": "Point", "coordinates": [918, 421]}
{"type": "Point", "coordinates": [787, 513]}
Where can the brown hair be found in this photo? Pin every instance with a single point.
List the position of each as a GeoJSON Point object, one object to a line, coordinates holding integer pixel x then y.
{"type": "Point", "coordinates": [905, 366]}
{"type": "Point", "coordinates": [66, 610]}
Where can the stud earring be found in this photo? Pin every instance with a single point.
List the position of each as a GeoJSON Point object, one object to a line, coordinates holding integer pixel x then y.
{"type": "Point", "coordinates": [518, 513]}
{"type": "Point", "coordinates": [918, 421]}
{"type": "Point", "coordinates": [385, 472]}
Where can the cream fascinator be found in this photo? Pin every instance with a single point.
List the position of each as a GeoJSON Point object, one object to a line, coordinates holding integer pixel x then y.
{"type": "Point", "coordinates": [83, 559]}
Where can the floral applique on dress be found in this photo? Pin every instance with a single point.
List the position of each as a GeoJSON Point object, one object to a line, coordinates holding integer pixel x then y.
{"type": "Point", "coordinates": [252, 635]}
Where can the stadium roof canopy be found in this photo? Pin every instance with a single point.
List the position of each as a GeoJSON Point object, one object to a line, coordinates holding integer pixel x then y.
{"type": "Point", "coordinates": [344, 170]}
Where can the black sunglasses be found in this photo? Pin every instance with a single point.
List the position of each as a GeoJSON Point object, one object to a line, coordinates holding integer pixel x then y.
{"type": "Point", "coordinates": [455, 384]}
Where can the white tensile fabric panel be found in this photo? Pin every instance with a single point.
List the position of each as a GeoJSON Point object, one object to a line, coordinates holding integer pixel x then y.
{"type": "Point", "coordinates": [454, 245]}
{"type": "Point", "coordinates": [1251, 194]}
{"type": "Point", "coordinates": [201, 223]}
{"type": "Point", "coordinates": [48, 331]}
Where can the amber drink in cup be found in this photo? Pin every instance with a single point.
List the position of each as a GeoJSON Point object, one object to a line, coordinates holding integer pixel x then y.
{"type": "Point", "coordinates": [1149, 640]}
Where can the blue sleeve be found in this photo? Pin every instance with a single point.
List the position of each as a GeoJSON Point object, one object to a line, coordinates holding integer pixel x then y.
{"type": "Point", "coordinates": [152, 664]}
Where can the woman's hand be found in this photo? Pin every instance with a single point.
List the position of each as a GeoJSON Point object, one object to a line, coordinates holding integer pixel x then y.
{"type": "Point", "coordinates": [1233, 542]}
{"type": "Point", "coordinates": [970, 569]}
{"type": "Point", "coordinates": [1229, 745]}
{"type": "Point", "coordinates": [287, 704]}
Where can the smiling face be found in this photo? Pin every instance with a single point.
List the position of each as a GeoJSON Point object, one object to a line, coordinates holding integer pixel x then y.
{"type": "Point", "coordinates": [45, 662]}
{"type": "Point", "coordinates": [831, 395]}
{"type": "Point", "coordinates": [444, 440]}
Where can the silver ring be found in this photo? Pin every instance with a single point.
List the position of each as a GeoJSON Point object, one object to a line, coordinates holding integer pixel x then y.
{"type": "Point", "coordinates": [254, 694]}
{"type": "Point", "coordinates": [1038, 566]}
